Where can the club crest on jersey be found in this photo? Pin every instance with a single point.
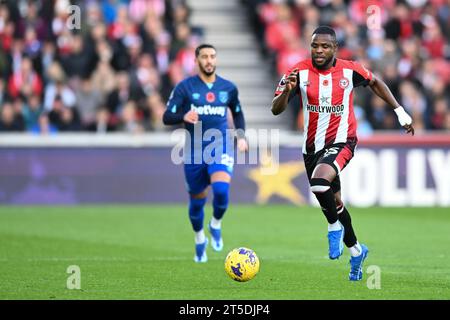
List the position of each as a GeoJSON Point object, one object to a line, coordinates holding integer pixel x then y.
{"type": "Point", "coordinates": [223, 96]}
{"type": "Point", "coordinates": [196, 96]}
{"type": "Point", "coordinates": [210, 97]}
{"type": "Point", "coordinates": [343, 83]}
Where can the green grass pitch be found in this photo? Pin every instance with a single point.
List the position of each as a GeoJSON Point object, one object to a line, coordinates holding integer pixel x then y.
{"type": "Point", "coordinates": [146, 252]}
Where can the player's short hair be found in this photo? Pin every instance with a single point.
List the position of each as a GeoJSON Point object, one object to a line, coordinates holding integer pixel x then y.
{"type": "Point", "coordinates": [203, 46]}
{"type": "Point", "coordinates": [325, 30]}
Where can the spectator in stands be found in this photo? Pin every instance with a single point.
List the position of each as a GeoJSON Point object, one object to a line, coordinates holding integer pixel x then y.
{"type": "Point", "coordinates": [58, 89]}
{"type": "Point", "coordinates": [31, 111]}
{"type": "Point", "coordinates": [439, 114]}
{"type": "Point", "coordinates": [25, 81]}
{"type": "Point", "coordinates": [119, 97]}
{"type": "Point", "coordinates": [104, 76]}
{"type": "Point", "coordinates": [139, 8]}
{"type": "Point", "coordinates": [44, 127]}
{"type": "Point", "coordinates": [145, 78]}
{"type": "Point", "coordinates": [89, 99]}
{"type": "Point", "coordinates": [293, 52]}
{"type": "Point", "coordinates": [3, 92]}
{"type": "Point", "coordinates": [7, 28]}
{"type": "Point", "coordinates": [79, 62]}
{"type": "Point", "coordinates": [180, 40]}
{"type": "Point", "coordinates": [69, 120]}
{"type": "Point", "coordinates": [153, 113]}
{"type": "Point", "coordinates": [447, 121]}
{"type": "Point", "coordinates": [32, 20]}
{"type": "Point", "coordinates": [128, 121]}
{"type": "Point", "coordinates": [47, 60]}
{"type": "Point", "coordinates": [281, 29]}
{"type": "Point", "coordinates": [103, 122]}
{"type": "Point", "coordinates": [9, 120]}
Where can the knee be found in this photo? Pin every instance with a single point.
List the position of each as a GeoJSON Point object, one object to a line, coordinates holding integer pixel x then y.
{"type": "Point", "coordinates": [196, 205]}
{"type": "Point", "coordinates": [320, 185]}
{"type": "Point", "coordinates": [220, 190]}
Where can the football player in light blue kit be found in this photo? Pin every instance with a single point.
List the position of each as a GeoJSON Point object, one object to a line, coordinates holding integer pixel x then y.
{"type": "Point", "coordinates": [201, 102]}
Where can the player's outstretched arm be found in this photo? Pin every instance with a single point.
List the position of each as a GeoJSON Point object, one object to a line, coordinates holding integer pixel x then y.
{"type": "Point", "coordinates": [280, 102]}
{"type": "Point", "coordinates": [380, 88]}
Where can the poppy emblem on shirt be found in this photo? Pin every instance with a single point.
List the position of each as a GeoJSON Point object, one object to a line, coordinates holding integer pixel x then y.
{"type": "Point", "coordinates": [343, 83]}
{"type": "Point", "coordinates": [325, 82]}
{"type": "Point", "coordinates": [210, 97]}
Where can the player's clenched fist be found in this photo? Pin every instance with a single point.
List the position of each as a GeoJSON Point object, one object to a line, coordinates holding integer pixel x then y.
{"type": "Point", "coordinates": [291, 80]}
{"type": "Point", "coordinates": [191, 117]}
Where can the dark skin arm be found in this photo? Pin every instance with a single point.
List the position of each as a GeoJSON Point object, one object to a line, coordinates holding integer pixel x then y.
{"type": "Point", "coordinates": [380, 88]}
{"type": "Point", "coordinates": [280, 102]}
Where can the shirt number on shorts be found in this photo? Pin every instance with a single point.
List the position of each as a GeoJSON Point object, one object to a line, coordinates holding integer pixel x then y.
{"type": "Point", "coordinates": [333, 150]}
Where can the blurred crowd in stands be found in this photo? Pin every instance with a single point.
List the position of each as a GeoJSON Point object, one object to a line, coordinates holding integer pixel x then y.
{"type": "Point", "coordinates": [104, 65]}
{"type": "Point", "coordinates": [404, 42]}
{"type": "Point", "coordinates": [113, 67]}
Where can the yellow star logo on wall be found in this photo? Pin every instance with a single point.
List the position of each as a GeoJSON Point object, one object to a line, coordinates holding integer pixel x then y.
{"type": "Point", "coordinates": [278, 182]}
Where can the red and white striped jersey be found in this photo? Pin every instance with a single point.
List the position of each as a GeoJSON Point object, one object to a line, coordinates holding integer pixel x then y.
{"type": "Point", "coordinates": [327, 101]}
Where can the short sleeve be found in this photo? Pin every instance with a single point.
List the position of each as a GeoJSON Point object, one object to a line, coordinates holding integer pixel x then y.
{"type": "Point", "coordinates": [361, 75]}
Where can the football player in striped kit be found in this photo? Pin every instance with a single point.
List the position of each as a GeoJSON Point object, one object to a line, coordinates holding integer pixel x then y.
{"type": "Point", "coordinates": [325, 85]}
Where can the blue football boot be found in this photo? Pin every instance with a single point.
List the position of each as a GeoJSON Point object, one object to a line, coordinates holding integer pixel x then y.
{"type": "Point", "coordinates": [200, 252]}
{"type": "Point", "coordinates": [336, 243]}
{"type": "Point", "coordinates": [356, 265]}
{"type": "Point", "coordinates": [216, 238]}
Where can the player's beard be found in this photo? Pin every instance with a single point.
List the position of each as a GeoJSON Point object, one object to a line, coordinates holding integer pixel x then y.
{"type": "Point", "coordinates": [322, 66]}
{"type": "Point", "coordinates": [207, 73]}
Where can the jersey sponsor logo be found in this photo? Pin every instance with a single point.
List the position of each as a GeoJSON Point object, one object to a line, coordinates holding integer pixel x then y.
{"type": "Point", "coordinates": [338, 110]}
{"type": "Point", "coordinates": [195, 96]}
{"type": "Point", "coordinates": [325, 100]}
{"type": "Point", "coordinates": [343, 83]}
{"type": "Point", "coordinates": [210, 97]}
{"type": "Point", "coordinates": [223, 96]}
{"type": "Point", "coordinates": [209, 110]}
